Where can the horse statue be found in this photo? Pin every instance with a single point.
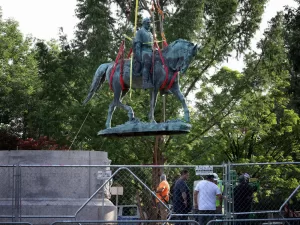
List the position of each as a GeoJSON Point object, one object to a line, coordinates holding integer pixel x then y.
{"type": "Point", "coordinates": [177, 56]}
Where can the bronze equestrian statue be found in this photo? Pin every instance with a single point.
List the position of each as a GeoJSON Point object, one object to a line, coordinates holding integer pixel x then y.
{"type": "Point", "coordinates": [167, 63]}
{"type": "Point", "coordinates": [178, 56]}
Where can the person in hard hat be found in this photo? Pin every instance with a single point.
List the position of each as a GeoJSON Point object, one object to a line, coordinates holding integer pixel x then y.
{"type": "Point", "coordinates": [218, 203]}
{"type": "Point", "coordinates": [205, 198]}
{"type": "Point", "coordinates": [162, 193]}
{"type": "Point", "coordinates": [243, 197]}
{"type": "Point", "coordinates": [143, 51]}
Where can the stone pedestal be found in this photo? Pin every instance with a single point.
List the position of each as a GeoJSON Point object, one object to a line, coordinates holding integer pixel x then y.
{"type": "Point", "coordinates": [52, 184]}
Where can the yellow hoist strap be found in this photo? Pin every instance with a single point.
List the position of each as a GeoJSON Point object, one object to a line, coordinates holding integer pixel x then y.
{"type": "Point", "coordinates": [134, 31]}
{"type": "Point", "coordinates": [129, 38]}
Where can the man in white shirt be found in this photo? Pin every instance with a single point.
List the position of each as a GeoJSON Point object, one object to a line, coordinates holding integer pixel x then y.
{"type": "Point", "coordinates": [205, 198]}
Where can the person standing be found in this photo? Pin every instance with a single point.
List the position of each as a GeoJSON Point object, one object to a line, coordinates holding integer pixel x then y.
{"type": "Point", "coordinates": [205, 198]}
{"type": "Point", "coordinates": [162, 193]}
{"type": "Point", "coordinates": [182, 197]}
{"type": "Point", "coordinates": [172, 188]}
{"type": "Point", "coordinates": [243, 196]}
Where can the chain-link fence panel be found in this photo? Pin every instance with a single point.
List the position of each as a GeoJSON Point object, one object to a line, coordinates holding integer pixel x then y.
{"type": "Point", "coordinates": [8, 190]}
{"type": "Point", "coordinates": [43, 192]}
{"type": "Point", "coordinates": [39, 193]}
{"type": "Point", "coordinates": [265, 221]}
{"type": "Point", "coordinates": [137, 222]}
{"type": "Point", "coordinates": [108, 192]}
{"type": "Point", "coordinates": [140, 187]}
{"type": "Point", "coordinates": [15, 223]}
{"type": "Point", "coordinates": [264, 190]}
{"type": "Point", "coordinates": [57, 191]}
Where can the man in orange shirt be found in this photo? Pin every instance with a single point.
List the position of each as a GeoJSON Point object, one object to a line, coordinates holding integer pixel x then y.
{"type": "Point", "coordinates": [162, 192]}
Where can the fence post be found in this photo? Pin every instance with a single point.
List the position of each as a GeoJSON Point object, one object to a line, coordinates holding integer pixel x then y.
{"type": "Point", "coordinates": [227, 190]}
{"type": "Point", "coordinates": [17, 197]}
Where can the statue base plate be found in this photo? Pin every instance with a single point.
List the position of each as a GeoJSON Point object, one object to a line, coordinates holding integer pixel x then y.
{"type": "Point", "coordinates": [137, 128]}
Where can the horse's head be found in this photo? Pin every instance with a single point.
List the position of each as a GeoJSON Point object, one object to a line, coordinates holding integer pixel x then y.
{"type": "Point", "coordinates": [190, 53]}
{"type": "Point", "coordinates": [180, 54]}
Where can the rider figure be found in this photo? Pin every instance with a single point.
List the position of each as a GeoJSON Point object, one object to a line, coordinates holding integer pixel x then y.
{"type": "Point", "coordinates": [143, 49]}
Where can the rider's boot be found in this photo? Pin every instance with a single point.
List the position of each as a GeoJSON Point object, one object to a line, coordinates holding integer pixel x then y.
{"type": "Point", "coordinates": [165, 92]}
{"type": "Point", "coordinates": [146, 77]}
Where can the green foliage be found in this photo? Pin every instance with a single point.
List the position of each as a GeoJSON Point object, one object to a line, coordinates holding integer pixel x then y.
{"type": "Point", "coordinates": [245, 115]}
{"type": "Point", "coordinates": [292, 31]}
{"type": "Point", "coordinates": [241, 116]}
{"type": "Point", "coordinates": [18, 73]}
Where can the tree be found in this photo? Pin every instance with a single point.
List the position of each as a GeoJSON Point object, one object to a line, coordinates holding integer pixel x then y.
{"type": "Point", "coordinates": [18, 74]}
{"type": "Point", "coordinates": [291, 22]}
{"type": "Point", "coordinates": [245, 115]}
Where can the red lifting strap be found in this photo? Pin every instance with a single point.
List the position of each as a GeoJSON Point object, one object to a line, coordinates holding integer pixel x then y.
{"type": "Point", "coordinates": [112, 73]}
{"type": "Point", "coordinates": [165, 68]}
{"type": "Point", "coordinates": [129, 54]}
{"type": "Point", "coordinates": [164, 65]}
{"type": "Point", "coordinates": [121, 74]}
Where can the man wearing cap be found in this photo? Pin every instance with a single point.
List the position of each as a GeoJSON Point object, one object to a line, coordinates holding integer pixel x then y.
{"type": "Point", "coordinates": [243, 197]}
{"type": "Point", "coordinates": [205, 198]}
{"type": "Point", "coordinates": [218, 205]}
{"type": "Point", "coordinates": [143, 51]}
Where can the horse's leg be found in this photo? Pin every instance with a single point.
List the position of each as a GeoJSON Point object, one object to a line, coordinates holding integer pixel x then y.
{"type": "Point", "coordinates": [117, 102]}
{"type": "Point", "coordinates": [153, 99]}
{"type": "Point", "coordinates": [176, 91]}
{"type": "Point", "coordinates": [111, 109]}
{"type": "Point", "coordinates": [126, 107]}
{"type": "Point", "coordinates": [112, 106]}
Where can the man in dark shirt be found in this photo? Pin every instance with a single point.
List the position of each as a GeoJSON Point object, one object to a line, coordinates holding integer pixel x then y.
{"type": "Point", "coordinates": [243, 196]}
{"type": "Point", "coordinates": [182, 197]}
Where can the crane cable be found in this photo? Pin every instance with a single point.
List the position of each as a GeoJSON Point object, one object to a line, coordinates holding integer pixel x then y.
{"type": "Point", "coordinates": [80, 128]}
{"type": "Point", "coordinates": [164, 44]}
{"type": "Point", "coordinates": [134, 31]}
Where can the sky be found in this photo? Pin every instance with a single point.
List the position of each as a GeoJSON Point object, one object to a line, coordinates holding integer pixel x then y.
{"type": "Point", "coordinates": [42, 18]}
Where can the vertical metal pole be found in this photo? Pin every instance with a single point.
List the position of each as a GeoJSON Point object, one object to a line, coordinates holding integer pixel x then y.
{"type": "Point", "coordinates": [102, 210]}
{"type": "Point", "coordinates": [225, 183]}
{"type": "Point", "coordinates": [164, 107]}
{"type": "Point", "coordinates": [20, 194]}
{"type": "Point", "coordinates": [227, 188]}
{"type": "Point", "coordinates": [230, 193]}
{"type": "Point", "coordinates": [13, 194]}
{"type": "Point", "coordinates": [17, 195]}
{"type": "Point", "coordinates": [117, 199]}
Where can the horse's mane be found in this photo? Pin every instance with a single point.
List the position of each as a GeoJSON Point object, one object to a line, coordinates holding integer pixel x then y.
{"type": "Point", "coordinates": [172, 44]}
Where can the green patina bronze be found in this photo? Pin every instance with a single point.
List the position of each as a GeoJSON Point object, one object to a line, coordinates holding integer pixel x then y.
{"type": "Point", "coordinates": [177, 56]}
{"type": "Point", "coordinates": [143, 51]}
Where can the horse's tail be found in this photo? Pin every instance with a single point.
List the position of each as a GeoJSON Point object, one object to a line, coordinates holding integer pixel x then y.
{"type": "Point", "coordinates": [98, 80]}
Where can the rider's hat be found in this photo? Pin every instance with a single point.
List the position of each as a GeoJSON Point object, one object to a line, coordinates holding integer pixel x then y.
{"type": "Point", "coordinates": [146, 20]}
